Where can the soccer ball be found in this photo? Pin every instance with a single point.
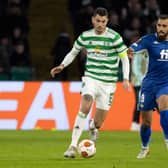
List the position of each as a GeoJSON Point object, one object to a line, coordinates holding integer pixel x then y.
{"type": "Point", "coordinates": [86, 148]}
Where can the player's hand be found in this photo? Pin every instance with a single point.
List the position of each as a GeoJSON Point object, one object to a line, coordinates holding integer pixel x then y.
{"type": "Point", "coordinates": [130, 53]}
{"type": "Point", "coordinates": [56, 70]}
{"type": "Point", "coordinates": [126, 85]}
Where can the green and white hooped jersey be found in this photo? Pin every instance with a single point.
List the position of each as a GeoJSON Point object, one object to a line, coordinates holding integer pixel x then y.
{"type": "Point", "coordinates": [102, 54]}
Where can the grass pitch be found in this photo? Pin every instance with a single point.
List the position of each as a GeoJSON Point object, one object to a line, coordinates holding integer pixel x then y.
{"type": "Point", "coordinates": [44, 149]}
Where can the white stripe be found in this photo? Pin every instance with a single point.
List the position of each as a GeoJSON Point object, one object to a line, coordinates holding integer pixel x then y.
{"type": "Point", "coordinates": [8, 124]}
{"type": "Point", "coordinates": [8, 105]}
{"type": "Point", "coordinates": [11, 86]}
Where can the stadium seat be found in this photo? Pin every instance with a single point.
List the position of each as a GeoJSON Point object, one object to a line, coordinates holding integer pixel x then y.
{"type": "Point", "coordinates": [4, 76]}
{"type": "Point", "coordinates": [21, 73]}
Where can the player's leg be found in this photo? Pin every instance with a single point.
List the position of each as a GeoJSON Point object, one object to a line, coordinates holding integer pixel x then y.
{"type": "Point", "coordinates": [146, 104]}
{"type": "Point", "coordinates": [96, 123]}
{"type": "Point", "coordinates": [103, 104]}
{"type": "Point", "coordinates": [86, 103]}
{"type": "Point", "coordinates": [145, 130]}
{"type": "Point", "coordinates": [145, 133]}
{"type": "Point", "coordinates": [135, 126]}
{"type": "Point", "coordinates": [79, 124]}
{"type": "Point", "coordinates": [163, 108]}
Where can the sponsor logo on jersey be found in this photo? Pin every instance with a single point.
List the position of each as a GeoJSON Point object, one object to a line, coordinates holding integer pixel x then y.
{"type": "Point", "coordinates": [163, 55]}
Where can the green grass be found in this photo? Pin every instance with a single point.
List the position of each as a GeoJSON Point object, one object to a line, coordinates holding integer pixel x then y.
{"type": "Point", "coordinates": [44, 149]}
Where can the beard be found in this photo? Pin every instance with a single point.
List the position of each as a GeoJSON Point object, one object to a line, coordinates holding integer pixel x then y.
{"type": "Point", "coordinates": [100, 30]}
{"type": "Point", "coordinates": [161, 36]}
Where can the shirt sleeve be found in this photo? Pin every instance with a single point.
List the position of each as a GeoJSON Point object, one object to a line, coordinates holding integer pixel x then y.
{"type": "Point", "coordinates": [70, 57]}
{"type": "Point", "coordinates": [78, 45]}
{"type": "Point", "coordinates": [125, 67]}
{"type": "Point", "coordinates": [140, 45]}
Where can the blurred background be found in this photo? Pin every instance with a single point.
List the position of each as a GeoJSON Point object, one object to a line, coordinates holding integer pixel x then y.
{"type": "Point", "coordinates": [35, 35]}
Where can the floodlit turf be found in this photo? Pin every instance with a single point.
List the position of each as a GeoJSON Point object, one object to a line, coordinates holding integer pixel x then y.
{"type": "Point", "coordinates": [44, 149]}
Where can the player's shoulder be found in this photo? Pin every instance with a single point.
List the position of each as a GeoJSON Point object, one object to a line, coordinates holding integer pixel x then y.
{"type": "Point", "coordinates": [112, 33]}
{"type": "Point", "coordinates": [149, 37]}
{"type": "Point", "coordinates": [87, 32]}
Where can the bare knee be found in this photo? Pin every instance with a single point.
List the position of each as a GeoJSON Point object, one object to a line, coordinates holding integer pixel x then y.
{"type": "Point", "coordinates": [146, 121]}
{"type": "Point", "coordinates": [86, 103]}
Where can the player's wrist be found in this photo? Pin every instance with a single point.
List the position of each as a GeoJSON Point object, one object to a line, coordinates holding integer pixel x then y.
{"type": "Point", "coordinates": [62, 66]}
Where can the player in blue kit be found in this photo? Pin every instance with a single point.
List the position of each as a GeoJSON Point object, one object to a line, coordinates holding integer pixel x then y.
{"type": "Point", "coordinates": [154, 90]}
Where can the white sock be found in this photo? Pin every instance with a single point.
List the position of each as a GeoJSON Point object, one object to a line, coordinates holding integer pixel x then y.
{"type": "Point", "coordinates": [78, 128]}
{"type": "Point", "coordinates": [91, 124]}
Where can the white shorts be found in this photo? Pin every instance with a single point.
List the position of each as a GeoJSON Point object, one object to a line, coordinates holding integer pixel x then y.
{"type": "Point", "coordinates": [101, 92]}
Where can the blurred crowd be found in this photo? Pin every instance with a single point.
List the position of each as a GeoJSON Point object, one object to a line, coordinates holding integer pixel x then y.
{"type": "Point", "coordinates": [15, 55]}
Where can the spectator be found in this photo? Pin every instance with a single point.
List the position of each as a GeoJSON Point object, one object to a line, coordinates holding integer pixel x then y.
{"type": "Point", "coordinates": [80, 12]}
{"type": "Point", "coordinates": [135, 27]}
{"type": "Point", "coordinates": [20, 57]}
{"type": "Point", "coordinates": [114, 21]}
{"type": "Point", "coordinates": [5, 52]}
{"type": "Point", "coordinates": [61, 47]}
{"type": "Point", "coordinates": [150, 15]}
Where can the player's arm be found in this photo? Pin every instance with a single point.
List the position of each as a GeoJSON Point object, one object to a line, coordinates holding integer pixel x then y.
{"type": "Point", "coordinates": [126, 69]}
{"type": "Point", "coordinates": [130, 52]}
{"type": "Point", "coordinates": [125, 64]}
{"type": "Point", "coordinates": [67, 60]}
{"type": "Point", "coordinates": [139, 46]}
{"type": "Point", "coordinates": [78, 45]}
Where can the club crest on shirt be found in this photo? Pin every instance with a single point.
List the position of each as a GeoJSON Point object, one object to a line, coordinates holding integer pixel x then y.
{"type": "Point", "coordinates": [90, 42]}
{"type": "Point", "coordinates": [97, 49]}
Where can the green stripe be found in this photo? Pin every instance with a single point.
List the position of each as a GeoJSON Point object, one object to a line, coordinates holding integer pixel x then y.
{"type": "Point", "coordinates": [120, 45]}
{"type": "Point", "coordinates": [79, 43]}
{"type": "Point", "coordinates": [93, 38]}
{"type": "Point", "coordinates": [101, 47]}
{"type": "Point", "coordinates": [102, 74]}
{"type": "Point", "coordinates": [101, 67]}
{"type": "Point", "coordinates": [103, 61]}
{"type": "Point", "coordinates": [112, 54]}
{"type": "Point", "coordinates": [117, 37]}
{"type": "Point", "coordinates": [103, 80]}
{"type": "Point", "coordinates": [104, 39]}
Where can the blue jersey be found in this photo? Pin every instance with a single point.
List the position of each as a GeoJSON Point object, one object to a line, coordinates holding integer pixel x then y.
{"type": "Point", "coordinates": [155, 82]}
{"type": "Point", "coordinates": [158, 58]}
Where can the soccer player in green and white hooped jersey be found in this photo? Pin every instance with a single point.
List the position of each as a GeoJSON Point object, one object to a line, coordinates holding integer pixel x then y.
{"type": "Point", "coordinates": [104, 48]}
{"type": "Point", "coordinates": [102, 54]}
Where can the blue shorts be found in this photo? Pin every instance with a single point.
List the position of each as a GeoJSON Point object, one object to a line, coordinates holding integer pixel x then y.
{"type": "Point", "coordinates": [149, 95]}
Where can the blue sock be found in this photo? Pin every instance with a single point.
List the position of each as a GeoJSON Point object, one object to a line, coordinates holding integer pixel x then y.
{"type": "Point", "coordinates": [145, 133]}
{"type": "Point", "coordinates": [164, 122]}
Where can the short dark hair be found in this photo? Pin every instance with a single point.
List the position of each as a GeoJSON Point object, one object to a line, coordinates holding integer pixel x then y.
{"type": "Point", "coordinates": [163, 16]}
{"type": "Point", "coordinates": [100, 11]}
